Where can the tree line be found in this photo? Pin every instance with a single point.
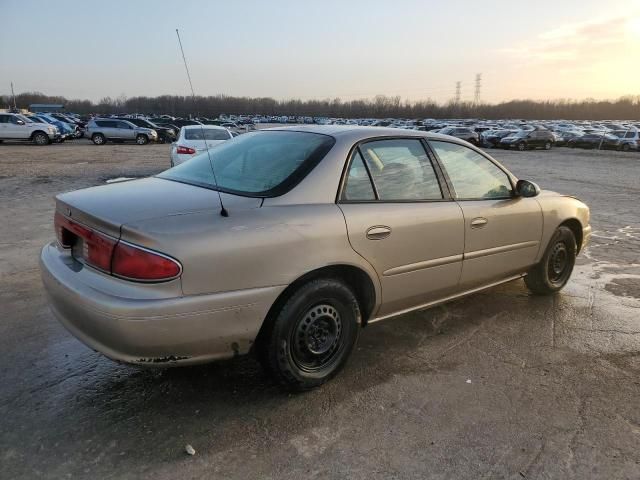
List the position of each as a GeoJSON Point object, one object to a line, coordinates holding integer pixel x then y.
{"type": "Point", "coordinates": [624, 108]}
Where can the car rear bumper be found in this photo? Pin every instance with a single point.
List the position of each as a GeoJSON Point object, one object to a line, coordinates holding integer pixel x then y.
{"type": "Point", "coordinates": [151, 331]}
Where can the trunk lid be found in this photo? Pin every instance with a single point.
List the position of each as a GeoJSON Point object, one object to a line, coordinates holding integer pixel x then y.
{"type": "Point", "coordinates": [107, 207]}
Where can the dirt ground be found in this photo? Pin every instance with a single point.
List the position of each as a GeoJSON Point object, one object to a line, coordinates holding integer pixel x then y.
{"type": "Point", "coordinates": [500, 384]}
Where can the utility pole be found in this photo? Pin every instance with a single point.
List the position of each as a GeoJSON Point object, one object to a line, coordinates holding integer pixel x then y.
{"type": "Point", "coordinates": [476, 97]}
{"type": "Point", "coordinates": [458, 92]}
{"type": "Point", "coordinates": [14, 97]}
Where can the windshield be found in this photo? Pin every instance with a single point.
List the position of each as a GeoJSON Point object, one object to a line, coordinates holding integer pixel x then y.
{"type": "Point", "coordinates": [262, 164]}
{"type": "Point", "coordinates": [206, 134]}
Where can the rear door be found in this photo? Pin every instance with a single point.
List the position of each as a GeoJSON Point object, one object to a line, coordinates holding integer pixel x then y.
{"type": "Point", "coordinates": [401, 219]}
{"type": "Point", "coordinates": [502, 232]}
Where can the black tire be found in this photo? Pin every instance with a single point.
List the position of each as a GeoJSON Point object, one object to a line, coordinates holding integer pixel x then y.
{"type": "Point", "coordinates": [142, 139]}
{"type": "Point", "coordinates": [547, 146]}
{"type": "Point", "coordinates": [554, 270]}
{"type": "Point", "coordinates": [522, 146]}
{"type": "Point", "coordinates": [40, 138]}
{"type": "Point", "coordinates": [98, 139]}
{"type": "Point", "coordinates": [625, 147]}
{"type": "Point", "coordinates": [311, 337]}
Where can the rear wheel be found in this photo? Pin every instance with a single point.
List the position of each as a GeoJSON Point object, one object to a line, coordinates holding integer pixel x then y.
{"type": "Point", "coordinates": [522, 147]}
{"type": "Point", "coordinates": [312, 336]}
{"type": "Point", "coordinates": [547, 146]}
{"type": "Point", "coordinates": [142, 139]}
{"type": "Point", "coordinates": [553, 272]}
{"type": "Point", "coordinates": [625, 147]}
{"type": "Point", "coordinates": [98, 139]}
{"type": "Point", "coordinates": [40, 138]}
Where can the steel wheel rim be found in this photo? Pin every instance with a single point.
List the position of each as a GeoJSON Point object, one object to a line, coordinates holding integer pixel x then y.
{"type": "Point", "coordinates": [98, 139]}
{"type": "Point", "coordinates": [317, 337]}
{"type": "Point", "coordinates": [40, 140]}
{"type": "Point", "coordinates": [558, 262]}
{"type": "Point", "coordinates": [140, 141]}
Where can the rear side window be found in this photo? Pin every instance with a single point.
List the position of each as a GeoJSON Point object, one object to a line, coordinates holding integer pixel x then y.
{"type": "Point", "coordinates": [474, 177]}
{"type": "Point", "coordinates": [104, 123]}
{"type": "Point", "coordinates": [401, 170]}
{"type": "Point", "coordinates": [358, 185]}
{"type": "Point", "coordinates": [206, 134]}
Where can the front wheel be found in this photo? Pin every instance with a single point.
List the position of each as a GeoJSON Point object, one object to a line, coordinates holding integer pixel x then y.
{"type": "Point", "coordinates": [40, 138]}
{"type": "Point", "coordinates": [142, 140]}
{"type": "Point", "coordinates": [625, 147]}
{"type": "Point", "coordinates": [553, 272]}
{"type": "Point", "coordinates": [522, 147]}
{"type": "Point", "coordinates": [547, 146]}
{"type": "Point", "coordinates": [98, 139]}
{"type": "Point", "coordinates": [312, 336]}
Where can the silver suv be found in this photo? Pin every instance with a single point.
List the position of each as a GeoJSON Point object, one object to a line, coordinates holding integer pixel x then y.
{"type": "Point", "coordinates": [100, 130]}
{"type": "Point", "coordinates": [14, 126]}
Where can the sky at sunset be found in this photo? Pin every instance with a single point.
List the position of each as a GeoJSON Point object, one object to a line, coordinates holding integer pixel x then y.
{"type": "Point", "coordinates": [323, 49]}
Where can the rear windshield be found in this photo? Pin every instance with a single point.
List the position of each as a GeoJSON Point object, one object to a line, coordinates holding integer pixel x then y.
{"type": "Point", "coordinates": [206, 134]}
{"type": "Point", "coordinates": [260, 164]}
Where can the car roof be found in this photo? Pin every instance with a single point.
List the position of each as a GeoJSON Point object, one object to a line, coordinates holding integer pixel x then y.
{"type": "Point", "coordinates": [355, 133]}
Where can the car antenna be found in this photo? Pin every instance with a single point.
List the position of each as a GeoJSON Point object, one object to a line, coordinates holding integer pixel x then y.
{"type": "Point", "coordinates": [223, 211]}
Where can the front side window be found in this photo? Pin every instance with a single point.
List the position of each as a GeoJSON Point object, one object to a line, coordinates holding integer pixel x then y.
{"type": "Point", "coordinates": [401, 170]}
{"type": "Point", "coordinates": [264, 164]}
{"type": "Point", "coordinates": [474, 177]}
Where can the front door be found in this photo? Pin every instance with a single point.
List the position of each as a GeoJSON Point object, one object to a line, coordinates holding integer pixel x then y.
{"type": "Point", "coordinates": [502, 232]}
{"type": "Point", "coordinates": [401, 222]}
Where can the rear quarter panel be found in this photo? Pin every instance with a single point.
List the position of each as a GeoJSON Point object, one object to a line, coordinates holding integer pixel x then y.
{"type": "Point", "coordinates": [268, 246]}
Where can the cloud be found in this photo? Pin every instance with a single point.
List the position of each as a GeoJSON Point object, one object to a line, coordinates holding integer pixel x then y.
{"type": "Point", "coordinates": [578, 45]}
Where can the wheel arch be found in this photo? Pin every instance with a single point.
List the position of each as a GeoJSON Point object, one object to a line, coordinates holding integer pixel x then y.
{"type": "Point", "coordinates": [576, 227]}
{"type": "Point", "coordinates": [354, 277]}
{"type": "Point", "coordinates": [33, 134]}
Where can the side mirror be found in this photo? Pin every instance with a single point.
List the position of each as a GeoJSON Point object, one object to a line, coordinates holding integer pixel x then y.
{"type": "Point", "coordinates": [526, 189]}
{"type": "Point", "coordinates": [19, 122]}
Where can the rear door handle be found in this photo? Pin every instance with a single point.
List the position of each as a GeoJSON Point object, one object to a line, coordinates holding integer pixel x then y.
{"type": "Point", "coordinates": [378, 232]}
{"type": "Point", "coordinates": [479, 222]}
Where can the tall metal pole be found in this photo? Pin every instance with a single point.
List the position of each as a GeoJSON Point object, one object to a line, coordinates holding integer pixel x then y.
{"type": "Point", "coordinates": [14, 97]}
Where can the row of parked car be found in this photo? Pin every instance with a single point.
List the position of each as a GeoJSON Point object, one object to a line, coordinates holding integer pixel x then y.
{"type": "Point", "coordinates": [44, 128]}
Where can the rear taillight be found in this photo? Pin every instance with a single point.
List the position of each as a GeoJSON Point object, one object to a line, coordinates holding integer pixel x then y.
{"type": "Point", "coordinates": [136, 263]}
{"type": "Point", "coordinates": [185, 150]}
{"type": "Point", "coordinates": [112, 255]}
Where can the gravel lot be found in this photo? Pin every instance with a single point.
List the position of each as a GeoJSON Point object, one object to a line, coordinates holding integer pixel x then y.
{"type": "Point", "coordinates": [498, 385]}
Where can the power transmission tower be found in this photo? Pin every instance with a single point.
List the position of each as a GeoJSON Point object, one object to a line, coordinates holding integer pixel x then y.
{"type": "Point", "coordinates": [476, 97]}
{"type": "Point", "coordinates": [458, 91]}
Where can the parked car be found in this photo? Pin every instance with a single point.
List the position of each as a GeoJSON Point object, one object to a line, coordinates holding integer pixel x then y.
{"type": "Point", "coordinates": [195, 139]}
{"type": "Point", "coordinates": [14, 126]}
{"type": "Point", "coordinates": [101, 130]}
{"type": "Point", "coordinates": [606, 141]}
{"type": "Point", "coordinates": [323, 231]}
{"type": "Point", "coordinates": [528, 139]}
{"type": "Point", "coordinates": [491, 138]}
{"type": "Point", "coordinates": [166, 134]}
{"type": "Point", "coordinates": [629, 139]}
{"type": "Point", "coordinates": [463, 133]}
{"type": "Point", "coordinates": [59, 137]}
{"type": "Point", "coordinates": [67, 131]}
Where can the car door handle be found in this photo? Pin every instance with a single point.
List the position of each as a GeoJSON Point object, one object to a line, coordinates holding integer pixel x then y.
{"type": "Point", "coordinates": [479, 222]}
{"type": "Point", "coordinates": [378, 232]}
